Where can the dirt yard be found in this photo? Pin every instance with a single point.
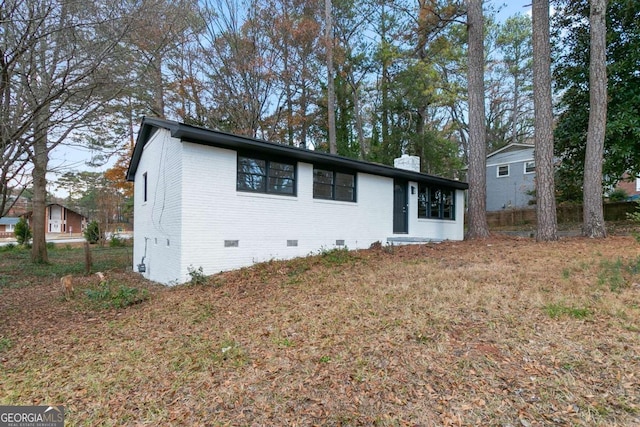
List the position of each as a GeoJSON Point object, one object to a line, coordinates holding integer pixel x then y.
{"type": "Point", "coordinates": [501, 332]}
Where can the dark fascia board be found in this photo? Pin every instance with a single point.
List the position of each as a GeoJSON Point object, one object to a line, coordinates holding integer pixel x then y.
{"type": "Point", "coordinates": [198, 135]}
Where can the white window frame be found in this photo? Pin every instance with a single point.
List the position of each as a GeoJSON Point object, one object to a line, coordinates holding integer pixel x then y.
{"type": "Point", "coordinates": [498, 171]}
{"type": "Point", "coordinates": [532, 162]}
{"type": "Point", "coordinates": [638, 184]}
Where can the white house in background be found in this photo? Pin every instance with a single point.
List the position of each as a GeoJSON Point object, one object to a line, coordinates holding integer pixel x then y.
{"type": "Point", "coordinates": [210, 199]}
{"type": "Point", "coordinates": [511, 174]}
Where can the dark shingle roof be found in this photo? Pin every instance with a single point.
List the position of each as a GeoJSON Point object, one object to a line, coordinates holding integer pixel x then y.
{"type": "Point", "coordinates": [198, 135]}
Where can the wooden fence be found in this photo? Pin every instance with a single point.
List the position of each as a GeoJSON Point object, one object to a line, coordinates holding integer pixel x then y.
{"type": "Point", "coordinates": [614, 211]}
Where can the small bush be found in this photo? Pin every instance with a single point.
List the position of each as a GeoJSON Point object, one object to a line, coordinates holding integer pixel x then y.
{"type": "Point", "coordinates": [116, 242]}
{"type": "Point", "coordinates": [618, 195]}
{"type": "Point", "coordinates": [92, 233]}
{"type": "Point", "coordinates": [197, 275]}
{"type": "Point", "coordinates": [22, 232]}
{"type": "Point", "coordinates": [113, 295]}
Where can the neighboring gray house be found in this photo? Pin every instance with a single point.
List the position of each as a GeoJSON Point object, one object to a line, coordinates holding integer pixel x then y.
{"type": "Point", "coordinates": [511, 174]}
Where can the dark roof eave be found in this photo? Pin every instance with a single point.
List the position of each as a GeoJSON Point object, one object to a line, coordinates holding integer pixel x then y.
{"type": "Point", "coordinates": [225, 140]}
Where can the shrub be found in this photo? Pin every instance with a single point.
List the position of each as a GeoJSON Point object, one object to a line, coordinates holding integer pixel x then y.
{"type": "Point", "coordinates": [22, 232]}
{"type": "Point", "coordinates": [197, 275]}
{"type": "Point", "coordinates": [618, 195]}
{"type": "Point", "coordinates": [116, 242]}
{"type": "Point", "coordinates": [92, 232]}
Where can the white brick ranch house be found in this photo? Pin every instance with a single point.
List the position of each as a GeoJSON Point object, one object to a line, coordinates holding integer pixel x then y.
{"type": "Point", "coordinates": [210, 199]}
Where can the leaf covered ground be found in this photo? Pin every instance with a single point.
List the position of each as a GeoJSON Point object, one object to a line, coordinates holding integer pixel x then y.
{"type": "Point", "coordinates": [500, 332]}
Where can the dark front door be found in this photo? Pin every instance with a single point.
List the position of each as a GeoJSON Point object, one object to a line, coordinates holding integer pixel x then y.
{"type": "Point", "coordinates": [400, 214]}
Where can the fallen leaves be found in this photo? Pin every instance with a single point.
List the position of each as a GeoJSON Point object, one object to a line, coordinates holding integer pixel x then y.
{"type": "Point", "coordinates": [453, 334]}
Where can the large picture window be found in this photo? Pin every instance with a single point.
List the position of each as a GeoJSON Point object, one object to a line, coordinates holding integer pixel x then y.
{"type": "Point", "coordinates": [436, 202]}
{"type": "Point", "coordinates": [333, 185]}
{"type": "Point", "coordinates": [266, 176]}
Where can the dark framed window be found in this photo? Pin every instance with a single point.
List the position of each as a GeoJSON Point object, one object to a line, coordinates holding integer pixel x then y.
{"type": "Point", "coordinates": [436, 202]}
{"type": "Point", "coordinates": [266, 176]}
{"type": "Point", "coordinates": [333, 185]}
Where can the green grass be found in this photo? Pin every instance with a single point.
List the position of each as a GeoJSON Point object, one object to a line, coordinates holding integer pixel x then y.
{"type": "Point", "coordinates": [338, 256]}
{"type": "Point", "coordinates": [557, 310]}
{"type": "Point", "coordinates": [15, 262]}
{"type": "Point", "coordinates": [111, 294]}
{"type": "Point", "coordinates": [618, 274]}
{"type": "Point", "coordinates": [5, 344]}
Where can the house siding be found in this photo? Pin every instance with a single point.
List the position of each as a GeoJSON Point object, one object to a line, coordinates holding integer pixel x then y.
{"type": "Point", "coordinates": [510, 192]}
{"type": "Point", "coordinates": [59, 219]}
{"type": "Point", "coordinates": [157, 222]}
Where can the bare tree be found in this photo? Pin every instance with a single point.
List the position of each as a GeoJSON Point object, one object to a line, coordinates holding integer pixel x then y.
{"type": "Point", "coordinates": [478, 227]}
{"type": "Point", "coordinates": [238, 67]}
{"type": "Point", "coordinates": [56, 84]}
{"type": "Point", "coordinates": [593, 215]}
{"type": "Point", "coordinates": [547, 228]}
{"type": "Point", "coordinates": [14, 130]}
{"type": "Point", "coordinates": [294, 31]}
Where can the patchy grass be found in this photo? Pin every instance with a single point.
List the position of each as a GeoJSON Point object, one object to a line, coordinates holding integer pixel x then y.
{"type": "Point", "coordinates": [556, 310]}
{"type": "Point", "coordinates": [498, 332]}
{"type": "Point", "coordinates": [18, 270]}
{"type": "Point", "coordinates": [111, 294]}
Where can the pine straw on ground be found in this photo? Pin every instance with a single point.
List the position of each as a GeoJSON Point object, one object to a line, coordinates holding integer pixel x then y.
{"type": "Point", "coordinates": [503, 332]}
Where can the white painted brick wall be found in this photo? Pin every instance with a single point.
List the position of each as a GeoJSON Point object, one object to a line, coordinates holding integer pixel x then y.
{"type": "Point", "coordinates": [158, 221]}
{"type": "Point", "coordinates": [214, 212]}
{"type": "Point", "coordinates": [203, 209]}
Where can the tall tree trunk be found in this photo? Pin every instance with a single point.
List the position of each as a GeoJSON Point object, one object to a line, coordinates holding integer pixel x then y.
{"type": "Point", "coordinates": [158, 90]}
{"type": "Point", "coordinates": [362, 143]}
{"type": "Point", "coordinates": [516, 109]}
{"type": "Point", "coordinates": [385, 79]}
{"type": "Point", "coordinates": [40, 163]}
{"type": "Point", "coordinates": [593, 215]}
{"type": "Point", "coordinates": [331, 91]}
{"type": "Point", "coordinates": [547, 227]}
{"type": "Point", "coordinates": [478, 227]}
